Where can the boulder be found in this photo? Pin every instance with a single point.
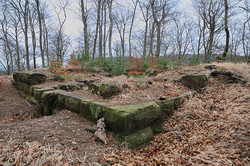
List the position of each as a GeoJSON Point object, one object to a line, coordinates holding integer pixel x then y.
{"type": "Point", "coordinates": [69, 87]}
{"type": "Point", "coordinates": [29, 77]}
{"type": "Point", "coordinates": [232, 76]}
{"type": "Point", "coordinates": [211, 67]}
{"type": "Point", "coordinates": [108, 90]}
{"type": "Point", "coordinates": [194, 81]}
{"type": "Point", "coordinates": [126, 119]}
{"type": "Point", "coordinates": [104, 90]}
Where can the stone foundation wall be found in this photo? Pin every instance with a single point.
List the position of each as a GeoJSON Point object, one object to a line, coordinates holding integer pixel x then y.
{"type": "Point", "coordinates": [133, 124]}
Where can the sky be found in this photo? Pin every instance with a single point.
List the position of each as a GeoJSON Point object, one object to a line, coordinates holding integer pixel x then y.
{"type": "Point", "coordinates": [73, 25]}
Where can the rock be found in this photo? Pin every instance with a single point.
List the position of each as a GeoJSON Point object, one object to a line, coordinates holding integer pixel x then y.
{"type": "Point", "coordinates": [29, 77]}
{"type": "Point", "coordinates": [104, 90]}
{"type": "Point", "coordinates": [1, 99]}
{"type": "Point", "coordinates": [232, 76]}
{"type": "Point", "coordinates": [95, 88]}
{"type": "Point", "coordinates": [126, 119]}
{"type": "Point", "coordinates": [108, 90]}
{"type": "Point", "coordinates": [194, 81]}
{"type": "Point", "coordinates": [69, 87]}
{"type": "Point", "coordinates": [139, 138]}
{"type": "Point", "coordinates": [211, 67]}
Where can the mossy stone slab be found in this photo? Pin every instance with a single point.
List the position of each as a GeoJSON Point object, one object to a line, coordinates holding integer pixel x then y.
{"type": "Point", "coordinates": [49, 100]}
{"type": "Point", "coordinates": [29, 77]}
{"type": "Point", "coordinates": [126, 119]}
{"type": "Point", "coordinates": [194, 81]}
{"type": "Point", "coordinates": [92, 110]}
{"type": "Point", "coordinates": [37, 93]}
{"type": "Point", "coordinates": [73, 102]}
{"type": "Point", "coordinates": [139, 138]}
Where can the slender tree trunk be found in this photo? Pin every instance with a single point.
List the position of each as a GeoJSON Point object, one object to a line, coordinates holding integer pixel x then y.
{"type": "Point", "coordinates": [110, 26]}
{"type": "Point", "coordinates": [85, 28]}
{"type": "Point", "coordinates": [26, 34]}
{"type": "Point", "coordinates": [40, 32]}
{"type": "Point", "coordinates": [226, 29]}
{"type": "Point", "coordinates": [97, 25]}
{"type": "Point", "coordinates": [131, 27]}
{"type": "Point", "coordinates": [33, 34]}
{"type": "Point", "coordinates": [158, 48]}
{"type": "Point", "coordinates": [100, 29]}
{"type": "Point", "coordinates": [104, 30]}
{"type": "Point", "coordinates": [145, 41]}
{"type": "Point", "coordinates": [17, 49]}
{"type": "Point", "coordinates": [151, 39]}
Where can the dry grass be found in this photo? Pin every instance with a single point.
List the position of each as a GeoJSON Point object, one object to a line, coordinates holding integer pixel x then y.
{"type": "Point", "coordinates": [34, 153]}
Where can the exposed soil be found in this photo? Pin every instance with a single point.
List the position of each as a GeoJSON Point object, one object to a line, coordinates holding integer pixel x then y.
{"type": "Point", "coordinates": [12, 106]}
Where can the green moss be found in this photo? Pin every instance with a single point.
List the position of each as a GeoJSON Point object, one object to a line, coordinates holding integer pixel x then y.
{"type": "Point", "coordinates": [139, 138]}
{"type": "Point", "coordinates": [127, 119]}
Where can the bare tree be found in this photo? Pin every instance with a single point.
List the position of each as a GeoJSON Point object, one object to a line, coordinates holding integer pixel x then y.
{"type": "Point", "coordinates": [161, 10]}
{"type": "Point", "coordinates": [226, 29]}
{"type": "Point", "coordinates": [97, 26]}
{"type": "Point", "coordinates": [211, 13]}
{"type": "Point", "coordinates": [61, 41]}
{"type": "Point", "coordinates": [39, 17]}
{"type": "Point", "coordinates": [121, 21]}
{"type": "Point", "coordinates": [131, 25]}
{"type": "Point", "coordinates": [109, 2]}
{"type": "Point", "coordinates": [146, 18]}
{"type": "Point", "coordinates": [84, 16]}
{"type": "Point", "coordinates": [33, 34]}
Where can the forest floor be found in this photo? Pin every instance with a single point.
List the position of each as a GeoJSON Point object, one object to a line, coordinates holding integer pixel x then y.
{"type": "Point", "coordinates": [212, 128]}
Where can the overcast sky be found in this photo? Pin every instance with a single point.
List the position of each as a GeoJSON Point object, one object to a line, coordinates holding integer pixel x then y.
{"type": "Point", "coordinates": [73, 25]}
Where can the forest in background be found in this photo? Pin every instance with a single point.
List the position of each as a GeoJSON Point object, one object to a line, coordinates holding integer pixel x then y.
{"type": "Point", "coordinates": [32, 33]}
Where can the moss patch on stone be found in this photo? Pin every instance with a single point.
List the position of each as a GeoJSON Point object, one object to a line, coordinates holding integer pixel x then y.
{"type": "Point", "coordinates": [126, 119]}
{"type": "Point", "coordinates": [139, 138]}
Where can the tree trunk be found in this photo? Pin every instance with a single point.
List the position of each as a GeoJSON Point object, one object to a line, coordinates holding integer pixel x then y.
{"type": "Point", "coordinates": [26, 34]}
{"type": "Point", "coordinates": [40, 32]}
{"type": "Point", "coordinates": [100, 29]}
{"type": "Point", "coordinates": [97, 25]}
{"type": "Point", "coordinates": [33, 34]}
{"type": "Point", "coordinates": [226, 29]}
{"type": "Point", "coordinates": [158, 48]}
{"type": "Point", "coordinates": [151, 39]}
{"type": "Point", "coordinates": [85, 28]}
{"type": "Point", "coordinates": [131, 27]}
{"type": "Point", "coordinates": [110, 26]}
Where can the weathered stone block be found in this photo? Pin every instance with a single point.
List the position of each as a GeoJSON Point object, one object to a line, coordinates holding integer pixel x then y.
{"type": "Point", "coordinates": [49, 100]}
{"type": "Point", "coordinates": [126, 119]}
{"type": "Point", "coordinates": [139, 138]}
{"type": "Point", "coordinates": [108, 90]}
{"type": "Point", "coordinates": [38, 93]}
{"type": "Point", "coordinates": [29, 77]}
{"type": "Point", "coordinates": [95, 88]}
{"type": "Point", "coordinates": [105, 90]}
{"type": "Point", "coordinates": [92, 110]}
{"type": "Point", "coordinates": [194, 81]}
{"type": "Point", "coordinates": [73, 103]}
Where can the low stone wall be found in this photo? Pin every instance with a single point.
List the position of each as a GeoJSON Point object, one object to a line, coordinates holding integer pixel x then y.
{"type": "Point", "coordinates": [133, 124]}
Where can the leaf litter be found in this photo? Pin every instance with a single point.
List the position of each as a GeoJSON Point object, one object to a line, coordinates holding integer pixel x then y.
{"type": "Point", "coordinates": [211, 128]}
